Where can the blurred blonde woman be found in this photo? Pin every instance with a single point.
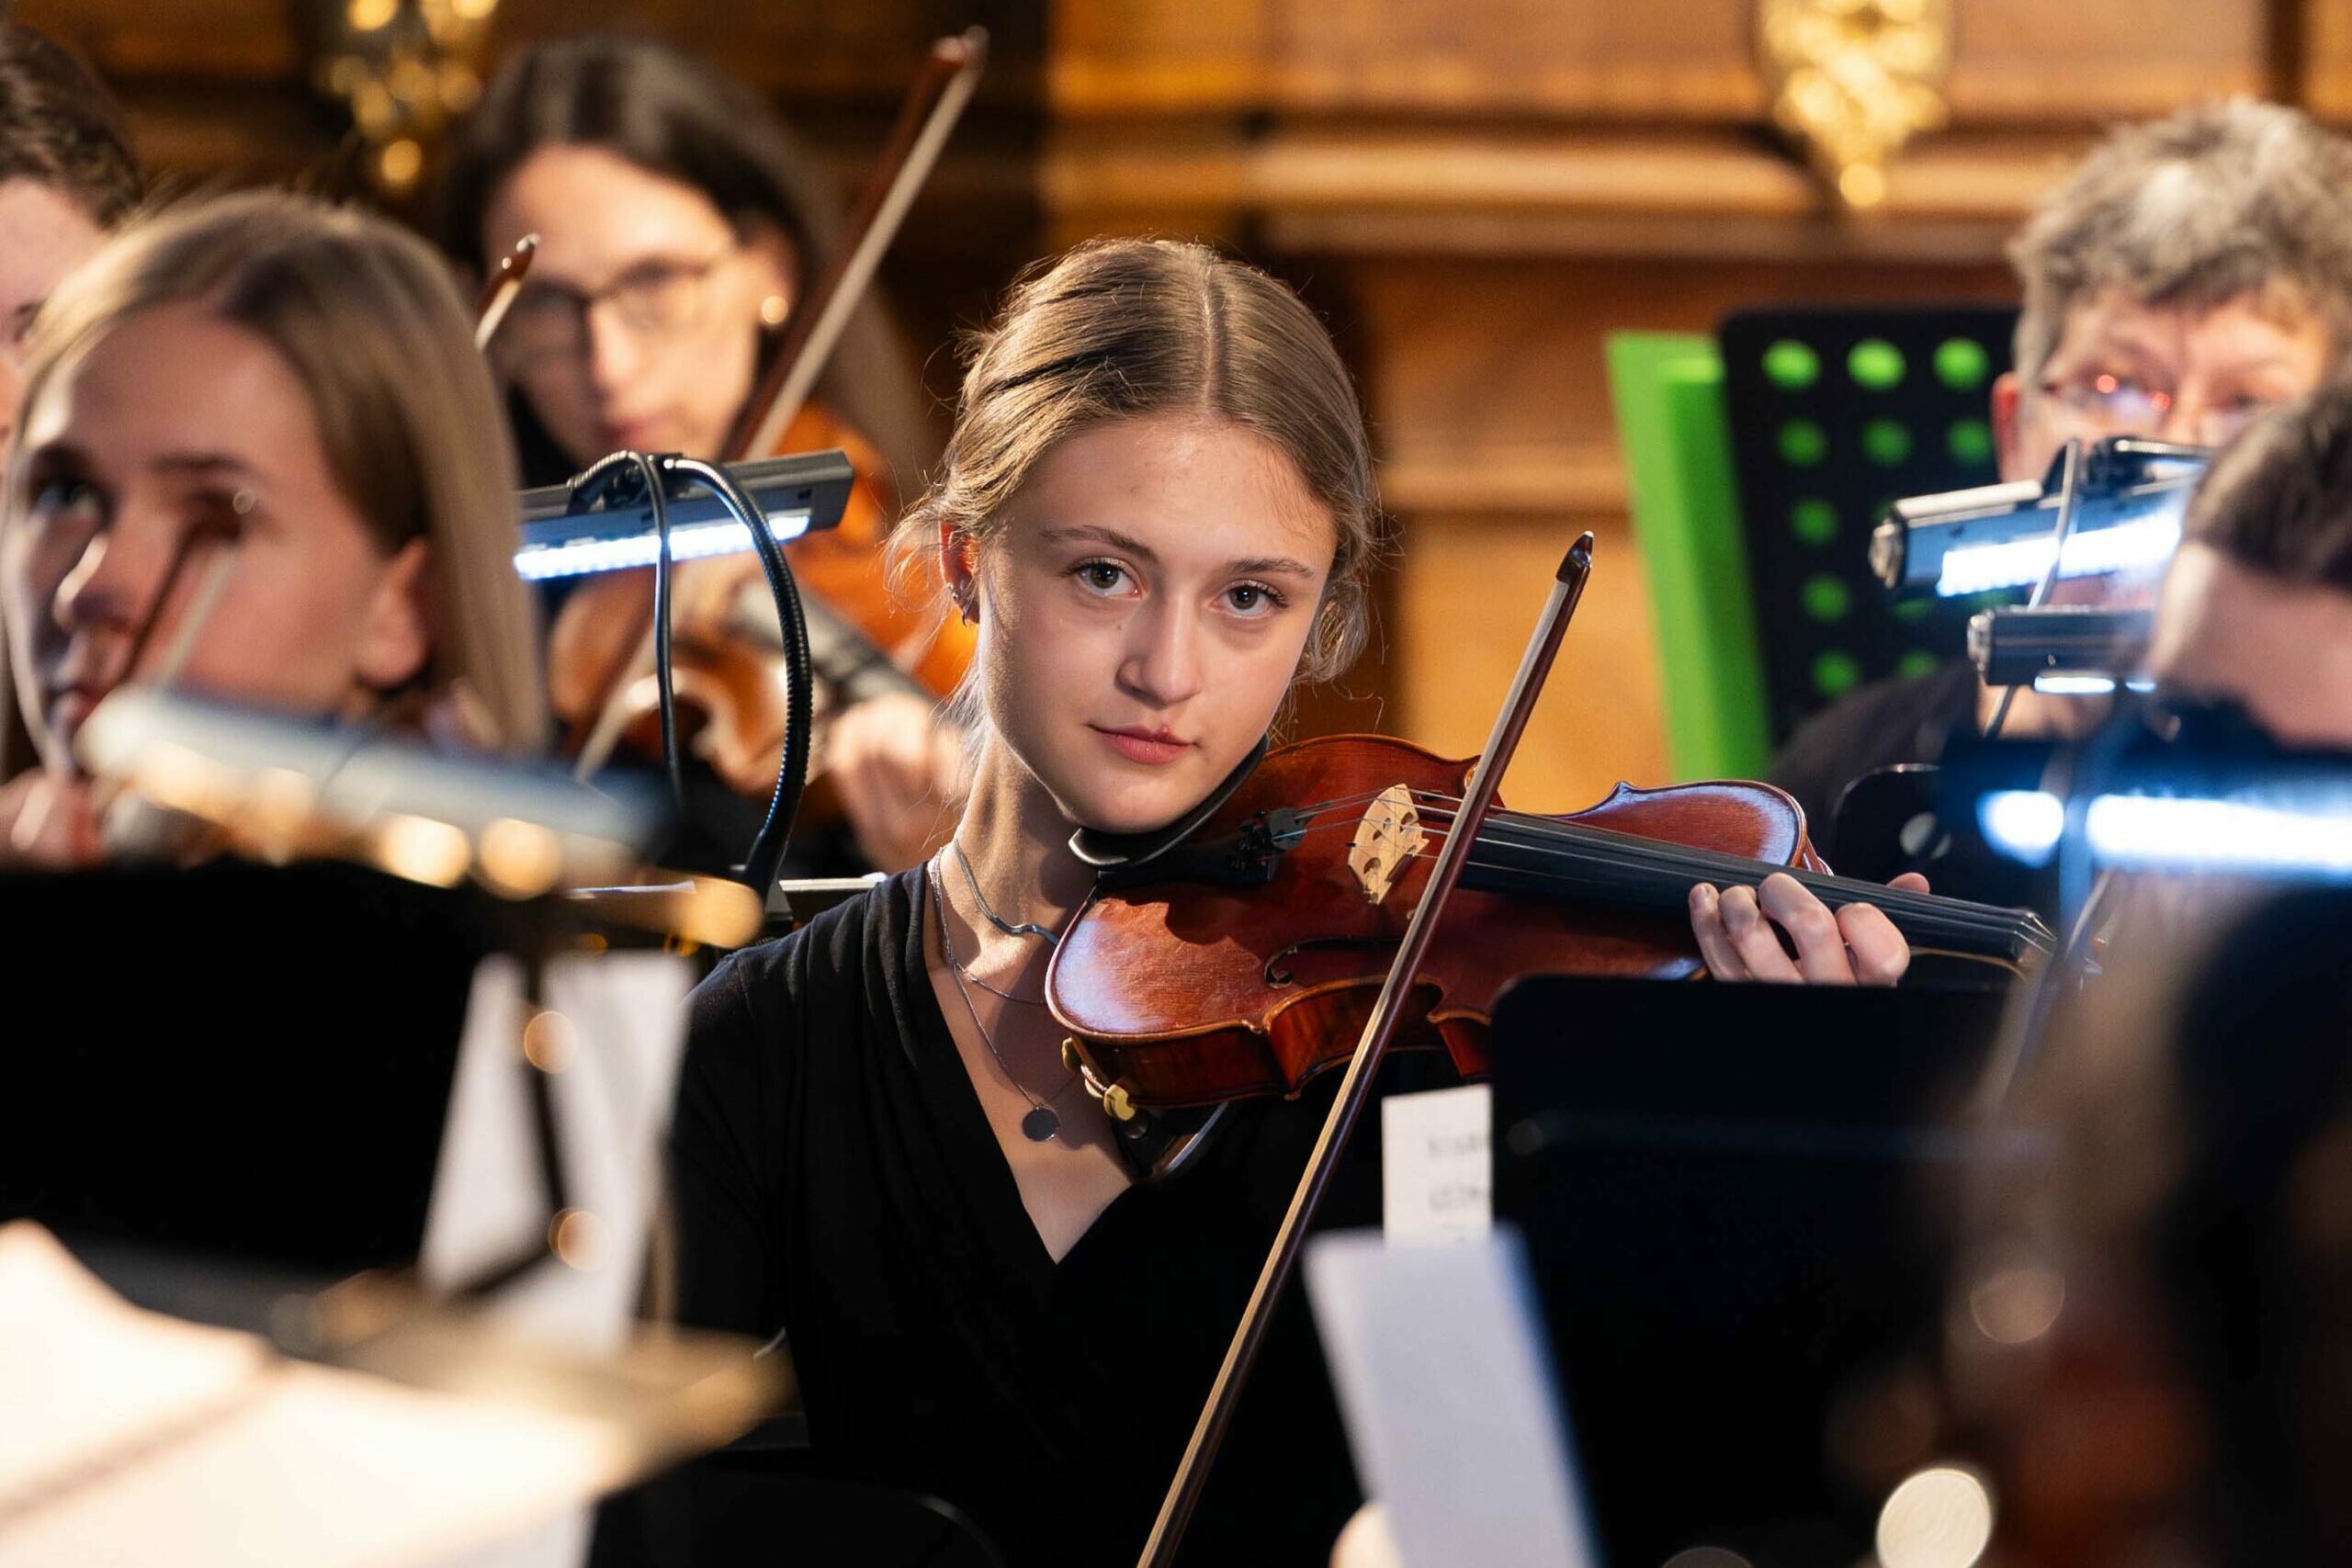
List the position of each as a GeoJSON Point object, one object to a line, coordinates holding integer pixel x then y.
{"type": "Point", "coordinates": [257, 445]}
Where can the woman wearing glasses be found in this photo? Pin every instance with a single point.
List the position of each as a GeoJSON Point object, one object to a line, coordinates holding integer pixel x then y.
{"type": "Point", "coordinates": [677, 223]}
{"type": "Point", "coordinates": [2193, 272]}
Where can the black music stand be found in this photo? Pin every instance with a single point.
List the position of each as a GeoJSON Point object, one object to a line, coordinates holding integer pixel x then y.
{"type": "Point", "coordinates": [253, 1102]}
{"type": "Point", "coordinates": [1727, 1196]}
{"type": "Point", "coordinates": [246, 1065]}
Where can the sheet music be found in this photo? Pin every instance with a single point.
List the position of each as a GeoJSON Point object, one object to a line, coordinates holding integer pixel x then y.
{"type": "Point", "coordinates": [625, 1017]}
{"type": "Point", "coordinates": [1439, 1361]}
{"type": "Point", "coordinates": [131, 1438]}
{"type": "Point", "coordinates": [613, 1106]}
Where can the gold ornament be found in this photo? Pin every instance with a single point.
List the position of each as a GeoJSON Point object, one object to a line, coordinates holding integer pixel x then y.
{"type": "Point", "coordinates": [406, 69]}
{"type": "Point", "coordinates": [1853, 80]}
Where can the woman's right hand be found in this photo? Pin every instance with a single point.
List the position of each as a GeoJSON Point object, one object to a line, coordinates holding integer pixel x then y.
{"type": "Point", "coordinates": [901, 772]}
{"type": "Point", "coordinates": [48, 822]}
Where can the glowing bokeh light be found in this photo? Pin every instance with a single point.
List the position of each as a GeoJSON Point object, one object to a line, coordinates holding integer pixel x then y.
{"type": "Point", "coordinates": [1940, 1517]}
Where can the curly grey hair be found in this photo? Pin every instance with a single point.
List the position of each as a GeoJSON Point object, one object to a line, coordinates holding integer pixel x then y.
{"type": "Point", "coordinates": [2211, 205]}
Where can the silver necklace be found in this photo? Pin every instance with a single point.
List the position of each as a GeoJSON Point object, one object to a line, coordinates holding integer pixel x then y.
{"type": "Point", "coordinates": [976, 978]}
{"type": "Point", "coordinates": [1026, 928]}
{"type": "Point", "coordinates": [1041, 1123]}
{"type": "Point", "coordinates": [1000, 991]}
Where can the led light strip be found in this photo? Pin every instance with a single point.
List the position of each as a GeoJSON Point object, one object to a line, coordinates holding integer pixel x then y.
{"type": "Point", "coordinates": [2086, 685]}
{"type": "Point", "coordinates": [688, 541]}
{"type": "Point", "coordinates": [1978, 569]}
{"type": "Point", "coordinates": [2311, 838]}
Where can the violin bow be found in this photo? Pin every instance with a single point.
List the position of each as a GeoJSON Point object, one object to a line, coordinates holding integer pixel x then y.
{"type": "Point", "coordinates": [498, 293]}
{"type": "Point", "coordinates": [935, 101]}
{"type": "Point", "coordinates": [1388, 1014]}
{"type": "Point", "coordinates": [108, 791]}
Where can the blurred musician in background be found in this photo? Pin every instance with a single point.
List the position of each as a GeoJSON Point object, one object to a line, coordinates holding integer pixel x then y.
{"type": "Point", "coordinates": [258, 456]}
{"type": "Point", "coordinates": [2152, 1343]}
{"type": "Point", "coordinates": [2180, 1394]}
{"type": "Point", "coordinates": [67, 176]}
{"type": "Point", "coordinates": [677, 223]}
{"type": "Point", "coordinates": [2256, 609]}
{"type": "Point", "coordinates": [2192, 273]}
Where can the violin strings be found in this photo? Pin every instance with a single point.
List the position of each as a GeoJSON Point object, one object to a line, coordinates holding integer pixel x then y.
{"type": "Point", "coordinates": [1561, 847]}
{"type": "Point", "coordinates": [1926, 909]}
{"type": "Point", "coordinates": [1362, 798]}
{"type": "Point", "coordinates": [1952, 914]}
{"type": "Point", "coordinates": [1564, 846]}
{"type": "Point", "coordinates": [1991, 933]}
{"type": "Point", "coordinates": [1535, 833]}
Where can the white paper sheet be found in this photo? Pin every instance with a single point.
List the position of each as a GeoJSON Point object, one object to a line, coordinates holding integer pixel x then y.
{"type": "Point", "coordinates": [1437, 1163]}
{"type": "Point", "coordinates": [1439, 1360]}
{"type": "Point", "coordinates": [627, 1014]}
{"type": "Point", "coordinates": [130, 1438]}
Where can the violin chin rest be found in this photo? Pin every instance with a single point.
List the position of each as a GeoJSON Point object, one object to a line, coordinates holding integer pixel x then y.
{"type": "Point", "coordinates": [1110, 852]}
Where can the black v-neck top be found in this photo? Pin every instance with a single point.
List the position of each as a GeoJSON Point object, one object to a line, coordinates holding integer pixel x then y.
{"type": "Point", "coordinates": [837, 1181]}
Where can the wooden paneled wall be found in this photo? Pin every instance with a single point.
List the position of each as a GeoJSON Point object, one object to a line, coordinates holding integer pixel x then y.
{"type": "Point", "coordinates": [1475, 192]}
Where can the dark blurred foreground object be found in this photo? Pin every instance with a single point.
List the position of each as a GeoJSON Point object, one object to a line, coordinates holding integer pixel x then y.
{"type": "Point", "coordinates": [760, 1502]}
{"type": "Point", "coordinates": [1722, 1188]}
{"type": "Point", "coordinates": [2188, 1396]}
{"type": "Point", "coordinates": [233, 1113]}
{"type": "Point", "coordinates": [244, 1062]}
{"type": "Point", "coordinates": [247, 1099]}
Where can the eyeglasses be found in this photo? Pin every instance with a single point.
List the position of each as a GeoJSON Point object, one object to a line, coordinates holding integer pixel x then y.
{"type": "Point", "coordinates": [2108, 404]}
{"type": "Point", "coordinates": [653, 299]}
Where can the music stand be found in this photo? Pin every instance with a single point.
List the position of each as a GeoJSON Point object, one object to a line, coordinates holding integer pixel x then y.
{"type": "Point", "coordinates": [256, 1103]}
{"type": "Point", "coordinates": [1726, 1193]}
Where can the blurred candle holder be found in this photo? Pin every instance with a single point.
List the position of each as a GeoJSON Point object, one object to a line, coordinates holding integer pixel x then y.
{"type": "Point", "coordinates": [406, 70]}
{"type": "Point", "coordinates": [1852, 81]}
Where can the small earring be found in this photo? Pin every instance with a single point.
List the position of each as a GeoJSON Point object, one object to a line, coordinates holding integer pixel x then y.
{"type": "Point", "coordinates": [773, 310]}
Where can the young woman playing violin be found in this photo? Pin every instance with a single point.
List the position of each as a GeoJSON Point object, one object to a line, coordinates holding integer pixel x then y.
{"type": "Point", "coordinates": [259, 456]}
{"type": "Point", "coordinates": [1156, 509]}
{"type": "Point", "coordinates": [677, 224]}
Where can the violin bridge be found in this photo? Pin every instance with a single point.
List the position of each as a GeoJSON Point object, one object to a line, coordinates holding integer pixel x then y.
{"type": "Point", "coordinates": [1390, 836]}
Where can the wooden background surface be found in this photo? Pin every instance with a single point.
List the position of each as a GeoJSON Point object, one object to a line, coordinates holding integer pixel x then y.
{"type": "Point", "coordinates": [1474, 192]}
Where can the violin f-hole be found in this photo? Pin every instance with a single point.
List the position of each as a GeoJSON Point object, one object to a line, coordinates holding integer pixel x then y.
{"type": "Point", "coordinates": [1278, 973]}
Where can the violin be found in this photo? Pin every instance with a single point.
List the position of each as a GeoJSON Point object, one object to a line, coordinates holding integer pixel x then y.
{"type": "Point", "coordinates": [1339, 898]}
{"type": "Point", "coordinates": [727, 652]}
{"type": "Point", "coordinates": [864, 641]}
{"type": "Point", "coordinates": [1243, 961]}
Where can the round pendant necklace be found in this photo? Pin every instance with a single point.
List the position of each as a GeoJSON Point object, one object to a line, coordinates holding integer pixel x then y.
{"type": "Point", "coordinates": [1040, 1124]}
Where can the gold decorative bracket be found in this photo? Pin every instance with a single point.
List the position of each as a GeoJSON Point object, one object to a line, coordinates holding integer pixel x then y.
{"type": "Point", "coordinates": [1853, 80]}
{"type": "Point", "coordinates": [406, 69]}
